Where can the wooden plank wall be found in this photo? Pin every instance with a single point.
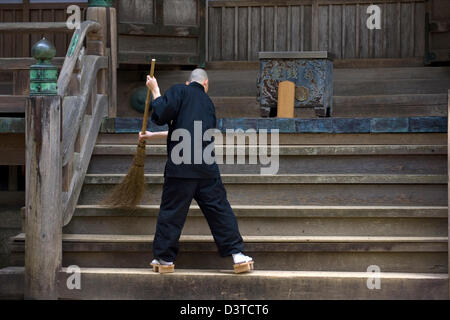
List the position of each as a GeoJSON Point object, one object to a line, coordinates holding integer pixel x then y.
{"type": "Point", "coordinates": [238, 30]}
{"type": "Point", "coordinates": [439, 39]}
{"type": "Point", "coordinates": [20, 45]}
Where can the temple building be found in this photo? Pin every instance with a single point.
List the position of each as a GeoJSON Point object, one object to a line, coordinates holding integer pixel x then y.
{"type": "Point", "coordinates": [353, 95]}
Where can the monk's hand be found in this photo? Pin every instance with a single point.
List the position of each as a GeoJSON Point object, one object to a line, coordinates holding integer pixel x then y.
{"type": "Point", "coordinates": [145, 136]}
{"type": "Point", "coordinates": [152, 85]}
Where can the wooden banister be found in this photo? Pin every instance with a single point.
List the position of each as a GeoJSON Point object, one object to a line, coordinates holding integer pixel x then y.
{"type": "Point", "coordinates": [73, 53]}
{"type": "Point", "coordinates": [81, 101]}
{"type": "Point", "coordinates": [85, 104]}
{"type": "Point", "coordinates": [75, 107]}
{"type": "Point", "coordinates": [82, 117]}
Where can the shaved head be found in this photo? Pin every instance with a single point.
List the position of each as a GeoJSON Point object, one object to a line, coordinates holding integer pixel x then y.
{"type": "Point", "coordinates": [198, 75]}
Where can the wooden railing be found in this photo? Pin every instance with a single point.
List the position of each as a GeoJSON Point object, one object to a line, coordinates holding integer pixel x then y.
{"type": "Point", "coordinates": [85, 103]}
{"type": "Point", "coordinates": [61, 131]}
{"type": "Point", "coordinates": [13, 101]}
{"type": "Point", "coordinates": [24, 11]}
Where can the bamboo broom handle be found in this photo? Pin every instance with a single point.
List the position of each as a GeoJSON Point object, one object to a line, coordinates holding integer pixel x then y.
{"type": "Point", "coordinates": [147, 100]}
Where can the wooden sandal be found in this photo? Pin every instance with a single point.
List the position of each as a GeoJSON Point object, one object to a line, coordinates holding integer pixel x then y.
{"type": "Point", "coordinates": [243, 267]}
{"type": "Point", "coordinates": [161, 268]}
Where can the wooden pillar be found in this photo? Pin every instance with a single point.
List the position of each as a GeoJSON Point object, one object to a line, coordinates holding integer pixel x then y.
{"type": "Point", "coordinates": [43, 219]}
{"type": "Point", "coordinates": [104, 43]}
{"type": "Point", "coordinates": [43, 177]}
{"type": "Point", "coordinates": [448, 186]}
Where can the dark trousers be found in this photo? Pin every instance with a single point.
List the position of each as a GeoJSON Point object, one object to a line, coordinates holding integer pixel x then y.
{"type": "Point", "coordinates": [211, 197]}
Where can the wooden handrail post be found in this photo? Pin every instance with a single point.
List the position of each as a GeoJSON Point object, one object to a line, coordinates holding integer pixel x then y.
{"type": "Point", "coordinates": [104, 43]}
{"type": "Point", "coordinates": [43, 200]}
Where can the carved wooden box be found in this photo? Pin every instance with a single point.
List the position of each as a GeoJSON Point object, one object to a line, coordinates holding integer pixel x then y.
{"type": "Point", "coordinates": [312, 73]}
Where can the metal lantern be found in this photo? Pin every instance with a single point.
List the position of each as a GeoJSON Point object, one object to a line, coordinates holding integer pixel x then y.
{"type": "Point", "coordinates": [100, 3]}
{"type": "Point", "coordinates": [43, 75]}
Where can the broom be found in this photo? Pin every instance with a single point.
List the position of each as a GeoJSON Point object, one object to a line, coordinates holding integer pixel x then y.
{"type": "Point", "coordinates": [129, 192]}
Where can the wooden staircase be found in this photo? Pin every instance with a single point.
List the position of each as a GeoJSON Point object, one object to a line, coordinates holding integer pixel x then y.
{"type": "Point", "coordinates": [342, 202]}
{"type": "Point", "coordinates": [336, 208]}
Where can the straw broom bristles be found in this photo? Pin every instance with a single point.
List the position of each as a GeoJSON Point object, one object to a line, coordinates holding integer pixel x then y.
{"type": "Point", "coordinates": [128, 193]}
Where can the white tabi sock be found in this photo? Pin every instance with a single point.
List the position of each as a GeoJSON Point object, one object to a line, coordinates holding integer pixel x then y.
{"type": "Point", "coordinates": [240, 258]}
{"type": "Point", "coordinates": [162, 262]}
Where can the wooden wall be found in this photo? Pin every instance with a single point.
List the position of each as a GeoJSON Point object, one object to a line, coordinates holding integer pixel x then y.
{"type": "Point", "coordinates": [439, 39]}
{"type": "Point", "coordinates": [20, 45]}
{"type": "Point", "coordinates": [238, 30]}
{"type": "Point", "coordinates": [172, 31]}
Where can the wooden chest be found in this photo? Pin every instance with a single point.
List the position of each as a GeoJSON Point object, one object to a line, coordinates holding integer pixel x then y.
{"type": "Point", "coordinates": [310, 71]}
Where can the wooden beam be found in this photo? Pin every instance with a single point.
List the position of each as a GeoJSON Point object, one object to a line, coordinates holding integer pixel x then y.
{"type": "Point", "coordinates": [338, 63]}
{"type": "Point", "coordinates": [25, 36]}
{"type": "Point", "coordinates": [12, 104]}
{"type": "Point", "coordinates": [112, 112]}
{"type": "Point", "coordinates": [24, 63]}
{"type": "Point", "coordinates": [448, 183]}
{"type": "Point", "coordinates": [257, 3]}
{"type": "Point", "coordinates": [43, 220]}
{"type": "Point", "coordinates": [315, 26]}
{"type": "Point", "coordinates": [34, 27]}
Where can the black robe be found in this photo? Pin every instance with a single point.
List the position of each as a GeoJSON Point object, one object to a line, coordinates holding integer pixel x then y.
{"type": "Point", "coordinates": [179, 107]}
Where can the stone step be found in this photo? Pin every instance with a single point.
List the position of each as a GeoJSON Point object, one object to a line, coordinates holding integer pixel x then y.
{"type": "Point", "coordinates": [433, 179]}
{"type": "Point", "coordinates": [383, 105]}
{"type": "Point", "coordinates": [237, 107]}
{"type": "Point", "coordinates": [133, 283]}
{"type": "Point", "coordinates": [320, 253]}
{"type": "Point", "coordinates": [291, 150]}
{"type": "Point", "coordinates": [243, 82]}
{"type": "Point", "coordinates": [381, 87]}
{"type": "Point", "coordinates": [392, 73]}
{"type": "Point", "coordinates": [240, 126]}
{"type": "Point", "coordinates": [11, 283]}
{"type": "Point", "coordinates": [317, 139]}
{"type": "Point", "coordinates": [273, 220]}
{"type": "Point", "coordinates": [395, 159]}
{"type": "Point", "coordinates": [295, 189]}
{"type": "Point", "coordinates": [389, 100]}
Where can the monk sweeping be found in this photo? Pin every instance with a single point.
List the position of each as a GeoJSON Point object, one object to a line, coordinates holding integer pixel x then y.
{"type": "Point", "coordinates": [183, 107]}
